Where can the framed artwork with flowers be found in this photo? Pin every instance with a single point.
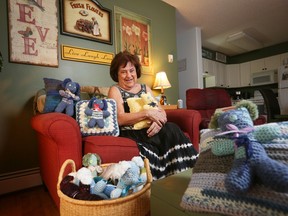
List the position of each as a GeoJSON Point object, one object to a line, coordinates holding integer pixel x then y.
{"type": "Point", "coordinates": [133, 34]}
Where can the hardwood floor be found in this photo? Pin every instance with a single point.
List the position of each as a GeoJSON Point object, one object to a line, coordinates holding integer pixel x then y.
{"type": "Point", "coordinates": [30, 202]}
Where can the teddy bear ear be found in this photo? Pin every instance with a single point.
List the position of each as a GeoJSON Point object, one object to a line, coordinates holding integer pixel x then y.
{"type": "Point", "coordinates": [78, 89]}
{"type": "Point", "coordinates": [105, 104]}
{"type": "Point", "coordinates": [250, 106]}
{"type": "Point", "coordinates": [91, 102]}
{"type": "Point", "coordinates": [213, 124]}
{"type": "Point", "coordinates": [65, 81]}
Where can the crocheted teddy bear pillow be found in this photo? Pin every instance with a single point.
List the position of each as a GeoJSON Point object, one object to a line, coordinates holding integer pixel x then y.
{"type": "Point", "coordinates": [102, 123]}
{"type": "Point", "coordinates": [146, 101]}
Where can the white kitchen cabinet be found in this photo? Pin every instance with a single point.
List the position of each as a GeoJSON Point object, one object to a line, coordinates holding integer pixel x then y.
{"type": "Point", "coordinates": [216, 70]}
{"type": "Point", "coordinates": [220, 74]}
{"type": "Point", "coordinates": [208, 67]}
{"type": "Point", "coordinates": [233, 75]}
{"type": "Point", "coordinates": [265, 64]}
{"type": "Point", "coordinates": [245, 74]}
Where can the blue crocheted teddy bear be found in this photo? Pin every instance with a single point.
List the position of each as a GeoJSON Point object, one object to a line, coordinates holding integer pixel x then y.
{"type": "Point", "coordinates": [129, 175]}
{"type": "Point", "coordinates": [97, 110]}
{"type": "Point", "coordinates": [70, 95]}
{"type": "Point", "coordinates": [251, 161]}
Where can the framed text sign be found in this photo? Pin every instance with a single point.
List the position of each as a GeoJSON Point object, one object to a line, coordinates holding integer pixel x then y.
{"type": "Point", "coordinates": [86, 19]}
{"type": "Point", "coordinates": [33, 32]}
{"type": "Point", "coordinates": [73, 53]}
{"type": "Point", "coordinates": [132, 33]}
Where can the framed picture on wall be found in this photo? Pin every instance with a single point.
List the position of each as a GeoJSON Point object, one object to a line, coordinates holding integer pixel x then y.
{"type": "Point", "coordinates": [133, 34]}
{"type": "Point", "coordinates": [86, 19]}
{"type": "Point", "coordinates": [33, 32]}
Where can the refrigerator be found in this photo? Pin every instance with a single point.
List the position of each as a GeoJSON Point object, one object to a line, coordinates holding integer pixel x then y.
{"type": "Point", "coordinates": [283, 88]}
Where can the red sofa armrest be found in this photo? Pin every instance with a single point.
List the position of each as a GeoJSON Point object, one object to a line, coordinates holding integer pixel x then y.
{"type": "Point", "coordinates": [188, 121]}
{"type": "Point", "coordinates": [62, 131]}
{"type": "Point", "coordinates": [59, 139]}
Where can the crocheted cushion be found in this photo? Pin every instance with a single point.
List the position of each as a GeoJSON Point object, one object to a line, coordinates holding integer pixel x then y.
{"type": "Point", "coordinates": [110, 128]}
{"type": "Point", "coordinates": [206, 191]}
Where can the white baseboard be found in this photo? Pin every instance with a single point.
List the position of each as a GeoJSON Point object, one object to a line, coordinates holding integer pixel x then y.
{"type": "Point", "coordinates": [19, 180]}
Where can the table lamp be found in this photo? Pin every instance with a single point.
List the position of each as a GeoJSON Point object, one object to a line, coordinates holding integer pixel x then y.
{"type": "Point", "coordinates": [162, 82]}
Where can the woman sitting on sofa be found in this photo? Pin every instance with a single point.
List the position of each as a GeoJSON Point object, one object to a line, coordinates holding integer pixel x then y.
{"type": "Point", "coordinates": [163, 143]}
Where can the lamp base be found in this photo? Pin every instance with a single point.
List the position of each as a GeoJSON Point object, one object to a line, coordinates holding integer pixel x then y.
{"type": "Point", "coordinates": [163, 100]}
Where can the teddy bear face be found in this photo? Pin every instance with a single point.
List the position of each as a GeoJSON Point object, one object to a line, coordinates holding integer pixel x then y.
{"type": "Point", "coordinates": [149, 101]}
{"type": "Point", "coordinates": [239, 118]}
{"type": "Point", "coordinates": [98, 104]}
{"type": "Point", "coordinates": [72, 87]}
{"type": "Point", "coordinates": [131, 176]}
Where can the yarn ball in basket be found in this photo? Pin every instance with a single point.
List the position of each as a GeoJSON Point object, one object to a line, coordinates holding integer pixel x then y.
{"type": "Point", "coordinates": [74, 191]}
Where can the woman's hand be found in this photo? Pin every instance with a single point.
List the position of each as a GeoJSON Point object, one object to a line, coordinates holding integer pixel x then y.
{"type": "Point", "coordinates": [153, 129]}
{"type": "Point", "coordinates": [158, 119]}
{"type": "Point", "coordinates": [157, 115]}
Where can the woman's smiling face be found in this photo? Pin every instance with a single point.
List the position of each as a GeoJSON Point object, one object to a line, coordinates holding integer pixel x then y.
{"type": "Point", "coordinates": [127, 76]}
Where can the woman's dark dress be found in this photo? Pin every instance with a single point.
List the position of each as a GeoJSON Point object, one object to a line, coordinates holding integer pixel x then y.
{"type": "Point", "coordinates": [169, 151]}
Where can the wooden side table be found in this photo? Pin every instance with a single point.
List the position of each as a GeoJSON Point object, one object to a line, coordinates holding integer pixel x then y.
{"type": "Point", "coordinates": [166, 107]}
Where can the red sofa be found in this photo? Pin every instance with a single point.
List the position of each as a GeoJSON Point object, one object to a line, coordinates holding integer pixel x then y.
{"type": "Point", "coordinates": [207, 100]}
{"type": "Point", "coordinates": [59, 138]}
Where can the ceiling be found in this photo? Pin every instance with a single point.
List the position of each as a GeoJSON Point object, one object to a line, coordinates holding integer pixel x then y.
{"type": "Point", "coordinates": [266, 21]}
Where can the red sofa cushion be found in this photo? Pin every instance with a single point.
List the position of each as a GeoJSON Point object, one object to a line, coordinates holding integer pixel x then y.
{"type": "Point", "coordinates": [111, 149]}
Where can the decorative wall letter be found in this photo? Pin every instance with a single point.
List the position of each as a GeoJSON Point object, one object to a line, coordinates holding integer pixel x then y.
{"type": "Point", "coordinates": [33, 32]}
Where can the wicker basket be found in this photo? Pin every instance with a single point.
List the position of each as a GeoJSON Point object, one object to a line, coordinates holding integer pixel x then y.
{"type": "Point", "coordinates": [135, 204]}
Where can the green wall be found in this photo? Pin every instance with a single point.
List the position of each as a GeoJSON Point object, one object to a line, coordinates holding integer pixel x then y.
{"type": "Point", "coordinates": [19, 82]}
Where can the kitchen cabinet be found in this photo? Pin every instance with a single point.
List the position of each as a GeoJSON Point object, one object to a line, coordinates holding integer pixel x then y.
{"type": "Point", "coordinates": [239, 75]}
{"type": "Point", "coordinates": [265, 64]}
{"type": "Point", "coordinates": [245, 74]}
{"type": "Point", "coordinates": [214, 70]}
{"type": "Point", "coordinates": [284, 59]}
{"type": "Point", "coordinates": [233, 76]}
{"type": "Point", "coordinates": [220, 74]}
{"type": "Point", "coordinates": [208, 67]}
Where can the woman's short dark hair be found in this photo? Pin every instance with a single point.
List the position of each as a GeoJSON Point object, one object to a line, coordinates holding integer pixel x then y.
{"type": "Point", "coordinates": [121, 60]}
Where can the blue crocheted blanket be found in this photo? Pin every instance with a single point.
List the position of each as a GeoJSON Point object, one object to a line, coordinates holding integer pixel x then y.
{"type": "Point", "coordinates": [206, 191]}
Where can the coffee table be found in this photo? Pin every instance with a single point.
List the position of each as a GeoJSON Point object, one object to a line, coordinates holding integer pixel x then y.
{"type": "Point", "coordinates": [166, 195]}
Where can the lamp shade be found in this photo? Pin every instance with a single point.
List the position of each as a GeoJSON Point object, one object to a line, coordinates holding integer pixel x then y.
{"type": "Point", "coordinates": [161, 81]}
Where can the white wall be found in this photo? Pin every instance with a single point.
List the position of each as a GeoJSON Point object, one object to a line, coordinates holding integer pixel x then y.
{"type": "Point", "coordinates": [189, 48]}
